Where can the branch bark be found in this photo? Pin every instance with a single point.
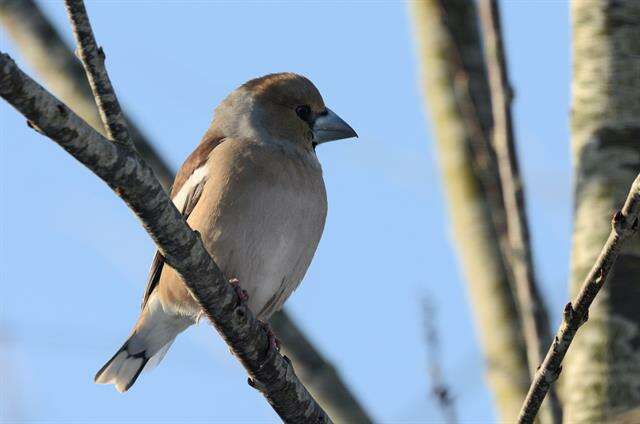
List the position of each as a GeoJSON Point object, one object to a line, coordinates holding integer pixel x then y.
{"type": "Point", "coordinates": [624, 224]}
{"type": "Point", "coordinates": [457, 90]}
{"type": "Point", "coordinates": [54, 61]}
{"type": "Point", "coordinates": [601, 374]}
{"type": "Point", "coordinates": [92, 58]}
{"type": "Point", "coordinates": [133, 181]}
{"type": "Point", "coordinates": [317, 373]}
{"type": "Point", "coordinates": [535, 321]}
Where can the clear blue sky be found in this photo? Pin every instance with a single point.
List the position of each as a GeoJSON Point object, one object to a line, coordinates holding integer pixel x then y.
{"type": "Point", "coordinates": [73, 259]}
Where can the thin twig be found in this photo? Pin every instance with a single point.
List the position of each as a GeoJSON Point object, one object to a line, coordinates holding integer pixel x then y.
{"type": "Point", "coordinates": [133, 181]}
{"type": "Point", "coordinates": [439, 389]}
{"type": "Point", "coordinates": [534, 318]}
{"type": "Point", "coordinates": [53, 60]}
{"type": "Point", "coordinates": [623, 225]}
{"type": "Point", "coordinates": [41, 45]}
{"type": "Point", "coordinates": [92, 58]}
{"type": "Point", "coordinates": [293, 406]}
{"type": "Point", "coordinates": [49, 55]}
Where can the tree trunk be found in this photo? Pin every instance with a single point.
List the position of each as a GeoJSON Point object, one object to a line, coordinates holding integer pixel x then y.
{"type": "Point", "coordinates": [602, 371]}
{"type": "Point", "coordinates": [456, 86]}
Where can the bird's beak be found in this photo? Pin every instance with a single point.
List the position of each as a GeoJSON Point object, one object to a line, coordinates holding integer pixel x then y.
{"type": "Point", "coordinates": [329, 127]}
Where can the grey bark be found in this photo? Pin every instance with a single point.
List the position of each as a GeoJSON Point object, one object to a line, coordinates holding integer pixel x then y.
{"type": "Point", "coordinates": [318, 374]}
{"type": "Point", "coordinates": [624, 225]}
{"type": "Point", "coordinates": [54, 61]}
{"type": "Point", "coordinates": [602, 372]}
{"type": "Point", "coordinates": [533, 314]}
{"type": "Point", "coordinates": [56, 64]}
{"type": "Point", "coordinates": [133, 181]}
{"type": "Point", "coordinates": [457, 90]}
{"type": "Point", "coordinates": [92, 58]}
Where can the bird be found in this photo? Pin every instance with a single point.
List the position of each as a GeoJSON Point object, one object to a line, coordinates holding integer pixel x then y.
{"type": "Point", "coordinates": [253, 188]}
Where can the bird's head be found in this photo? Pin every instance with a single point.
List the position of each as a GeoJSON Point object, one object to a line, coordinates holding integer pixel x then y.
{"type": "Point", "coordinates": [283, 106]}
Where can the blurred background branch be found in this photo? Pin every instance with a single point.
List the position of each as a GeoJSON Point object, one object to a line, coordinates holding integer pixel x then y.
{"type": "Point", "coordinates": [439, 390]}
{"type": "Point", "coordinates": [48, 54]}
{"type": "Point", "coordinates": [533, 314]}
{"type": "Point", "coordinates": [457, 91]}
{"type": "Point", "coordinates": [269, 372]}
{"type": "Point", "coordinates": [41, 45]}
{"type": "Point", "coordinates": [318, 374]}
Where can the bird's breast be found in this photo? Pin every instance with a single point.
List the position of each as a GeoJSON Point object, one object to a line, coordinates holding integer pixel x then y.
{"type": "Point", "coordinates": [262, 213]}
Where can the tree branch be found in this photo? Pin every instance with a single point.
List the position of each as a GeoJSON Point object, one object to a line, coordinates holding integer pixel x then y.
{"type": "Point", "coordinates": [623, 225]}
{"type": "Point", "coordinates": [92, 58]}
{"type": "Point", "coordinates": [602, 371]}
{"type": "Point", "coordinates": [133, 181]}
{"type": "Point", "coordinates": [50, 56]}
{"type": "Point", "coordinates": [533, 315]}
{"type": "Point", "coordinates": [456, 86]}
{"type": "Point", "coordinates": [318, 374]}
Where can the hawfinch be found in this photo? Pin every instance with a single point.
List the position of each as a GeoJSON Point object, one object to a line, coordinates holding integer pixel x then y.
{"type": "Point", "coordinates": [253, 188]}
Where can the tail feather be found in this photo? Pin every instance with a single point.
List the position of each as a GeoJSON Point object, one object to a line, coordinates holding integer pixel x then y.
{"type": "Point", "coordinates": [122, 369]}
{"type": "Point", "coordinates": [151, 338]}
{"type": "Point", "coordinates": [159, 356]}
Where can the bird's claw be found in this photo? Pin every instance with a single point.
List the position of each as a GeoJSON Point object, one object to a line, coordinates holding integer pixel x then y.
{"type": "Point", "coordinates": [274, 343]}
{"type": "Point", "coordinates": [240, 292]}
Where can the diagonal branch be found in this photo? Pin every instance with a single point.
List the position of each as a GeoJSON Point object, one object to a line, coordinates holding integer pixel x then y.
{"type": "Point", "coordinates": [92, 58]}
{"type": "Point", "coordinates": [532, 311]}
{"type": "Point", "coordinates": [317, 373]}
{"type": "Point", "coordinates": [623, 225]}
{"type": "Point", "coordinates": [50, 56]}
{"type": "Point", "coordinates": [133, 181]}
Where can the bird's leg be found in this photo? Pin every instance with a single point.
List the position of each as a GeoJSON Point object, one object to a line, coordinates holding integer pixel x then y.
{"type": "Point", "coordinates": [273, 348]}
{"type": "Point", "coordinates": [242, 294]}
{"type": "Point", "coordinates": [274, 343]}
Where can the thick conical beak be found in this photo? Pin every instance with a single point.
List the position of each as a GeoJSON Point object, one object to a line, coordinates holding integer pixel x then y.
{"type": "Point", "coordinates": [329, 127]}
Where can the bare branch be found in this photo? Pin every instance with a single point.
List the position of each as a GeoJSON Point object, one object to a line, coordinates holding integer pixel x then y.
{"type": "Point", "coordinates": [533, 315]}
{"type": "Point", "coordinates": [439, 389]}
{"type": "Point", "coordinates": [318, 374]}
{"type": "Point", "coordinates": [602, 370]}
{"type": "Point", "coordinates": [92, 58]}
{"type": "Point", "coordinates": [623, 225]}
{"type": "Point", "coordinates": [133, 181]}
{"type": "Point", "coordinates": [50, 56]}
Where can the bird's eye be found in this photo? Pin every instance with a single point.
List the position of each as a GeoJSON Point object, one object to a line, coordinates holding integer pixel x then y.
{"type": "Point", "coordinates": [304, 112]}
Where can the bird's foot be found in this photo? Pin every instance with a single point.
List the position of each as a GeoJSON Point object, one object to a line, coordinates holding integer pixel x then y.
{"type": "Point", "coordinates": [240, 292]}
{"type": "Point", "coordinates": [273, 347]}
{"type": "Point", "coordinates": [274, 343]}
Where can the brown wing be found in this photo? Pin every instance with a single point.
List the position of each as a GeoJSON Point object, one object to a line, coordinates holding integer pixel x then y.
{"type": "Point", "coordinates": [196, 160]}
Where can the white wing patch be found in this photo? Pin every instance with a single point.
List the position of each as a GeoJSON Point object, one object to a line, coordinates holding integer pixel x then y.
{"type": "Point", "coordinates": [183, 194]}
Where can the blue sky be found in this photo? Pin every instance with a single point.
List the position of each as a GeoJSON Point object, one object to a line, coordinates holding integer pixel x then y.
{"type": "Point", "coordinates": [73, 259]}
